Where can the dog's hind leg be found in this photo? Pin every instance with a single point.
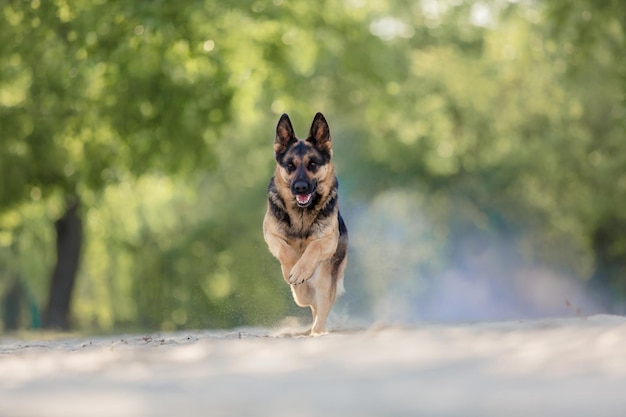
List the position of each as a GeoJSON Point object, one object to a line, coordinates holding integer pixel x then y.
{"type": "Point", "coordinates": [324, 297]}
{"type": "Point", "coordinates": [320, 314]}
{"type": "Point", "coordinates": [303, 295]}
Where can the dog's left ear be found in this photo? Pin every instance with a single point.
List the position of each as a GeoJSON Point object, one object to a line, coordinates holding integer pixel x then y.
{"type": "Point", "coordinates": [285, 135]}
{"type": "Point", "coordinates": [319, 135]}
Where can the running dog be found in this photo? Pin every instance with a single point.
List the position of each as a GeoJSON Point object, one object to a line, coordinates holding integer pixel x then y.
{"type": "Point", "coordinates": [303, 227]}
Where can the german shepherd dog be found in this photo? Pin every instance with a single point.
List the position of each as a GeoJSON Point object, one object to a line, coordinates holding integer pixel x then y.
{"type": "Point", "coordinates": [302, 227]}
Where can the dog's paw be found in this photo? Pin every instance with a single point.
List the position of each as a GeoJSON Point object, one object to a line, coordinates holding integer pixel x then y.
{"type": "Point", "coordinates": [318, 332]}
{"type": "Point", "coordinates": [301, 272]}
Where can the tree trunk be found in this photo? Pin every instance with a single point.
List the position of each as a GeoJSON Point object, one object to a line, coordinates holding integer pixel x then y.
{"type": "Point", "coordinates": [12, 306]}
{"type": "Point", "coordinates": [608, 282]}
{"type": "Point", "coordinates": [69, 230]}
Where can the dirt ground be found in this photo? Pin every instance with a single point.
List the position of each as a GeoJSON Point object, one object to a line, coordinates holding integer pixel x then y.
{"type": "Point", "coordinates": [552, 367]}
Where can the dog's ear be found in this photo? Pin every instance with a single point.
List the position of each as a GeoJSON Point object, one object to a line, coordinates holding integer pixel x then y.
{"type": "Point", "coordinates": [319, 135]}
{"type": "Point", "coordinates": [285, 135]}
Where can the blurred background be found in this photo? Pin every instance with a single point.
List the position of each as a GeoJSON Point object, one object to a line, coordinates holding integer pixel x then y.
{"type": "Point", "coordinates": [480, 147]}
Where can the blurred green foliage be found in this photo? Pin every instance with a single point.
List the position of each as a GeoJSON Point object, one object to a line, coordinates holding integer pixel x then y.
{"type": "Point", "coordinates": [458, 126]}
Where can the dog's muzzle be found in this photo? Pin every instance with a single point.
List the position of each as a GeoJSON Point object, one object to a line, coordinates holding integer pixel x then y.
{"type": "Point", "coordinates": [303, 192]}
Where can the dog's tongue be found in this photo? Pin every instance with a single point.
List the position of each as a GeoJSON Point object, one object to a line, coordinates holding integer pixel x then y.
{"type": "Point", "coordinates": [303, 198]}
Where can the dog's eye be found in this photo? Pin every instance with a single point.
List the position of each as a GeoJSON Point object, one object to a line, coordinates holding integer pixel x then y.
{"type": "Point", "coordinates": [291, 167]}
{"type": "Point", "coordinates": [312, 166]}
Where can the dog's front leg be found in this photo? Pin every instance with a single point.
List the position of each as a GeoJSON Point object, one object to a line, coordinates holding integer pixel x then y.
{"type": "Point", "coordinates": [315, 252]}
{"type": "Point", "coordinates": [282, 251]}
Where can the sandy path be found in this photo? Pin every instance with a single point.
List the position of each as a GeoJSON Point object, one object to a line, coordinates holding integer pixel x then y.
{"type": "Point", "coordinates": [553, 367]}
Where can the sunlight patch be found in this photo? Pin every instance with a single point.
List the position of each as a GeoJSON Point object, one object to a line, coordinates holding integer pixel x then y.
{"type": "Point", "coordinates": [389, 28]}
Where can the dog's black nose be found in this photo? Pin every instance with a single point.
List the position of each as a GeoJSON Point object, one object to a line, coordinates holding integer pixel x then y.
{"type": "Point", "coordinates": [301, 187]}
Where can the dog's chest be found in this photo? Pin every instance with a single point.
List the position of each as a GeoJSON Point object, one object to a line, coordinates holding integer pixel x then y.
{"type": "Point", "coordinates": [302, 226]}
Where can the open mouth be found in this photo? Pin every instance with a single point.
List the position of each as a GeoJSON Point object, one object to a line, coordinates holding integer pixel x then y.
{"type": "Point", "coordinates": [304, 200]}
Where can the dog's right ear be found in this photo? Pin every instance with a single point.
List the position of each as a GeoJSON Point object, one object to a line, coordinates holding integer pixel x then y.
{"type": "Point", "coordinates": [285, 135]}
{"type": "Point", "coordinates": [319, 135]}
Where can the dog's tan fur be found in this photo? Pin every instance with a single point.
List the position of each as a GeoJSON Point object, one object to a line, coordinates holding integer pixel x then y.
{"type": "Point", "coordinates": [310, 242]}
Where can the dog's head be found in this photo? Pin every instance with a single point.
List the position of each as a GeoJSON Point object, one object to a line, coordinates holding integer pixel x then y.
{"type": "Point", "coordinates": [303, 164]}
